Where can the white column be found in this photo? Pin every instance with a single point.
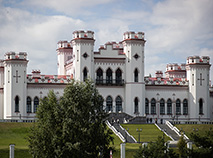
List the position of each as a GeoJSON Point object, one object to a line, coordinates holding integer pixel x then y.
{"type": "Point", "coordinates": [123, 150]}
{"type": "Point", "coordinates": [12, 147]}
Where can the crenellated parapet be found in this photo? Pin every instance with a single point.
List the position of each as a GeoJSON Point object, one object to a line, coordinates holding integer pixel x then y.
{"type": "Point", "coordinates": [64, 44]}
{"type": "Point", "coordinates": [166, 81]}
{"type": "Point", "coordinates": [83, 34]}
{"type": "Point", "coordinates": [198, 60]}
{"type": "Point", "coordinates": [49, 79]}
{"type": "Point", "coordinates": [16, 56]}
{"type": "Point", "coordinates": [114, 45]}
{"type": "Point", "coordinates": [129, 35]}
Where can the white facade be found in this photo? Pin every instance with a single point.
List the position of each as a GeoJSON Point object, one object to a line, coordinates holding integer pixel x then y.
{"type": "Point", "coordinates": [184, 94]}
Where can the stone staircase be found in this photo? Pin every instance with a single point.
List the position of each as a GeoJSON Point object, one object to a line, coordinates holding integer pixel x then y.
{"type": "Point", "coordinates": [169, 132]}
{"type": "Point", "coordinates": [121, 132]}
{"type": "Point", "coordinates": [173, 132]}
{"type": "Point", "coordinates": [129, 138]}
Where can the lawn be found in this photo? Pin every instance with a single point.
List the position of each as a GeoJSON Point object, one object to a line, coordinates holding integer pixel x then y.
{"type": "Point", "coordinates": [149, 132]}
{"type": "Point", "coordinates": [189, 128]}
{"type": "Point", "coordinates": [16, 133]}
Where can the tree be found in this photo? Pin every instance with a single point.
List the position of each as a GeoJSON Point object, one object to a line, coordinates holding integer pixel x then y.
{"type": "Point", "coordinates": [155, 150]}
{"type": "Point", "coordinates": [71, 127]}
{"type": "Point", "coordinates": [182, 149]}
{"type": "Point", "coordinates": [204, 144]}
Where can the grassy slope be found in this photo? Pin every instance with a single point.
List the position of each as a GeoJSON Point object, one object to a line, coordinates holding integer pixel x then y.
{"type": "Point", "coordinates": [189, 128]}
{"type": "Point", "coordinates": [149, 133]}
{"type": "Point", "coordinates": [17, 132]}
{"type": "Point", "coordinates": [14, 133]}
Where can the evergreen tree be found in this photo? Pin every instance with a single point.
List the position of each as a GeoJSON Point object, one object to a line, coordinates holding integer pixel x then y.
{"type": "Point", "coordinates": [71, 127]}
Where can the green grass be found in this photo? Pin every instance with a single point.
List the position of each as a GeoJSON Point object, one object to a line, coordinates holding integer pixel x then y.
{"type": "Point", "coordinates": [149, 132]}
{"type": "Point", "coordinates": [189, 128]}
{"type": "Point", "coordinates": [14, 133]}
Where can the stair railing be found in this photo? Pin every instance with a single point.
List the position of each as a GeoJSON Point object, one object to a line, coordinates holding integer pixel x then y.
{"type": "Point", "coordinates": [176, 130]}
{"type": "Point", "coordinates": [115, 131]}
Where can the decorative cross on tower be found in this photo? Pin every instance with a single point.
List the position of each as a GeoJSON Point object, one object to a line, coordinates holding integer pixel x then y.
{"type": "Point", "coordinates": [16, 76]}
{"type": "Point", "coordinates": [201, 79]}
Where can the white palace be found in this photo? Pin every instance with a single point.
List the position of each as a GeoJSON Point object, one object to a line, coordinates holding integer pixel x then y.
{"type": "Point", "coordinates": [184, 93]}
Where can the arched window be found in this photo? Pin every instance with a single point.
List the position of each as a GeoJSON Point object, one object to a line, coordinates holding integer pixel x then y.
{"type": "Point", "coordinates": [99, 78]}
{"type": "Point", "coordinates": [153, 106]}
{"type": "Point", "coordinates": [16, 104]}
{"type": "Point", "coordinates": [201, 106]}
{"type": "Point", "coordinates": [169, 106]}
{"type": "Point", "coordinates": [36, 103]}
{"type": "Point", "coordinates": [146, 106]}
{"type": "Point", "coordinates": [136, 75]}
{"type": "Point", "coordinates": [162, 107]}
{"type": "Point", "coordinates": [136, 105]}
{"type": "Point", "coordinates": [109, 76]}
{"type": "Point", "coordinates": [178, 107]}
{"type": "Point", "coordinates": [118, 76]}
{"type": "Point", "coordinates": [109, 104]}
{"type": "Point", "coordinates": [185, 107]}
{"type": "Point", "coordinates": [29, 105]}
{"type": "Point", "coordinates": [85, 74]}
{"type": "Point", "coordinates": [118, 101]}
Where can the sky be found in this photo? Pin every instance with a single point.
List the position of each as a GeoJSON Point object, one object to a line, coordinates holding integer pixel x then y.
{"type": "Point", "coordinates": [174, 29]}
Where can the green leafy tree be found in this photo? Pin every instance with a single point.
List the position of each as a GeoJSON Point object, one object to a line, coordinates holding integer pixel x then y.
{"type": "Point", "coordinates": [204, 144]}
{"type": "Point", "coordinates": [156, 149]}
{"type": "Point", "coordinates": [71, 127]}
{"type": "Point", "coordinates": [182, 149]}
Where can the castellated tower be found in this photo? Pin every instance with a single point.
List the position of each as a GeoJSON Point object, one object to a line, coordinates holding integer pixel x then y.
{"type": "Point", "coordinates": [83, 59]}
{"type": "Point", "coordinates": [64, 52]}
{"type": "Point", "coordinates": [133, 44]}
{"type": "Point", "coordinates": [15, 85]}
{"type": "Point", "coordinates": [198, 76]}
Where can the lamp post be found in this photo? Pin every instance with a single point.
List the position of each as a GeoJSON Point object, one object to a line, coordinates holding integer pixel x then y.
{"type": "Point", "coordinates": [164, 130]}
{"type": "Point", "coordinates": [139, 130]}
{"type": "Point", "coordinates": [126, 130]}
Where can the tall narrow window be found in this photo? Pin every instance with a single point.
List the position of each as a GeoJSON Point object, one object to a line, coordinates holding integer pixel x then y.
{"type": "Point", "coordinates": [36, 103]}
{"type": "Point", "coordinates": [146, 106]}
{"type": "Point", "coordinates": [109, 76]}
{"type": "Point", "coordinates": [153, 106]}
{"type": "Point", "coordinates": [185, 107]}
{"type": "Point", "coordinates": [77, 55]}
{"type": "Point", "coordinates": [136, 105]}
{"type": "Point", "coordinates": [201, 106]}
{"type": "Point", "coordinates": [169, 106]}
{"type": "Point", "coordinates": [28, 105]}
{"type": "Point", "coordinates": [16, 104]}
{"type": "Point", "coordinates": [8, 76]}
{"type": "Point", "coordinates": [118, 76]}
{"type": "Point", "coordinates": [162, 107]}
{"type": "Point", "coordinates": [178, 107]}
{"type": "Point", "coordinates": [192, 79]}
{"type": "Point", "coordinates": [109, 104]}
{"type": "Point", "coordinates": [136, 75]}
{"type": "Point", "coordinates": [85, 74]}
{"type": "Point", "coordinates": [99, 78]}
{"type": "Point", "coordinates": [118, 101]}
